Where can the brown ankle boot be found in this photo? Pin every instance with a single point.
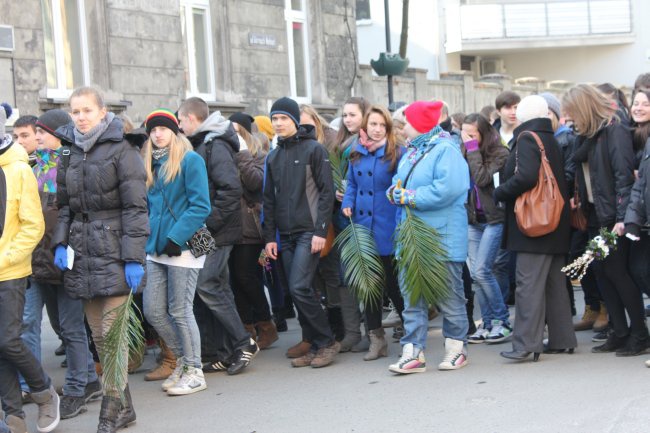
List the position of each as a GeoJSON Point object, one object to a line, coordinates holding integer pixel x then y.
{"type": "Point", "coordinates": [299, 349]}
{"type": "Point", "coordinates": [251, 330]}
{"type": "Point", "coordinates": [587, 321]}
{"type": "Point", "coordinates": [602, 321]}
{"type": "Point", "coordinates": [268, 334]}
{"type": "Point", "coordinates": [165, 368]}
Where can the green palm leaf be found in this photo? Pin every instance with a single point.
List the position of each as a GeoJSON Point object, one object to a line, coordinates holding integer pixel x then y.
{"type": "Point", "coordinates": [339, 169]}
{"type": "Point", "coordinates": [420, 260]}
{"type": "Point", "coordinates": [362, 266]}
{"type": "Point", "coordinates": [125, 338]}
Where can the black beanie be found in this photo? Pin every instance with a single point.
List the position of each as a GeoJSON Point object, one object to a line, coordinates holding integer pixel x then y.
{"type": "Point", "coordinates": [52, 120]}
{"type": "Point", "coordinates": [287, 106]}
{"type": "Point", "coordinates": [243, 119]}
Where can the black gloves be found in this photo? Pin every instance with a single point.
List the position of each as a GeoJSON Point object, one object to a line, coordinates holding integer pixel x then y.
{"type": "Point", "coordinates": [172, 249]}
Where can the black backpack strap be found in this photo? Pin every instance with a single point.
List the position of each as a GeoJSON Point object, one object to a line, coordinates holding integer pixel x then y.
{"type": "Point", "coordinates": [65, 157]}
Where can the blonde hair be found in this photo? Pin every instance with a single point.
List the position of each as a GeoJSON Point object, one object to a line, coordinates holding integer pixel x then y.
{"type": "Point", "coordinates": [253, 144]}
{"type": "Point", "coordinates": [320, 123]}
{"type": "Point", "coordinates": [95, 92]}
{"type": "Point", "coordinates": [589, 108]}
{"type": "Point", "coordinates": [178, 147]}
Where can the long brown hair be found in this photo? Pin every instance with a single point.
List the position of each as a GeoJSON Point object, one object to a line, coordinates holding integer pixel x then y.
{"type": "Point", "coordinates": [391, 147]}
{"type": "Point", "coordinates": [589, 108]}
{"type": "Point", "coordinates": [252, 142]}
{"type": "Point", "coordinates": [490, 138]}
{"type": "Point", "coordinates": [641, 130]}
{"type": "Point", "coordinates": [343, 133]}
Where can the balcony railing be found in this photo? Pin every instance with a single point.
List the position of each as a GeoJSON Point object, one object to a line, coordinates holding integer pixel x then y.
{"type": "Point", "coordinates": [547, 19]}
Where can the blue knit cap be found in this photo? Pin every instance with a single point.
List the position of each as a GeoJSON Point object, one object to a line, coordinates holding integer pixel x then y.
{"type": "Point", "coordinates": [288, 107]}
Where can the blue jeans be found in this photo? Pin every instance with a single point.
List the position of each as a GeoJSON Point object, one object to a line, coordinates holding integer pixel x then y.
{"type": "Point", "coordinates": [454, 314]}
{"type": "Point", "coordinates": [300, 266]}
{"type": "Point", "coordinates": [503, 270]}
{"type": "Point", "coordinates": [168, 306]}
{"type": "Point", "coordinates": [484, 242]}
{"type": "Point", "coordinates": [81, 367]}
{"type": "Point", "coordinates": [213, 287]}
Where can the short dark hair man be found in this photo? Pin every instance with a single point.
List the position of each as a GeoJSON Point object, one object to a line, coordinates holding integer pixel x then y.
{"type": "Point", "coordinates": [24, 132]}
{"type": "Point", "coordinates": [506, 104]}
{"type": "Point", "coordinates": [298, 201]}
{"type": "Point", "coordinates": [214, 138]}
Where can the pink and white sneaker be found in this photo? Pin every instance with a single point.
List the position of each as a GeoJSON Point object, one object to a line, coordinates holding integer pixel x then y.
{"type": "Point", "coordinates": [411, 361]}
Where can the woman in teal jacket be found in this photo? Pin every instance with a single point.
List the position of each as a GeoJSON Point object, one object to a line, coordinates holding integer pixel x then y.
{"type": "Point", "coordinates": [433, 179]}
{"type": "Point", "coordinates": [179, 203]}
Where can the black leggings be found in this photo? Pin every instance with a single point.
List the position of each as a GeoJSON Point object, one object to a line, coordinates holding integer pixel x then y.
{"type": "Point", "coordinates": [619, 291]}
{"type": "Point", "coordinates": [247, 279]}
{"type": "Point", "coordinates": [373, 311]}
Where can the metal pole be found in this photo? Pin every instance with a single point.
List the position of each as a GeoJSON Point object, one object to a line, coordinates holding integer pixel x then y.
{"type": "Point", "coordinates": [388, 50]}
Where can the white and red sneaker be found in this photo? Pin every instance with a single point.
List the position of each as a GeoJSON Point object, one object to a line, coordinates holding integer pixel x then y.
{"type": "Point", "coordinates": [411, 361]}
{"type": "Point", "coordinates": [455, 356]}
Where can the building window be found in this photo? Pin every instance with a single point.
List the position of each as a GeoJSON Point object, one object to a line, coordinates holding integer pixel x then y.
{"type": "Point", "coordinates": [363, 10]}
{"type": "Point", "coordinates": [66, 47]}
{"type": "Point", "coordinates": [196, 28]}
{"type": "Point", "coordinates": [298, 48]}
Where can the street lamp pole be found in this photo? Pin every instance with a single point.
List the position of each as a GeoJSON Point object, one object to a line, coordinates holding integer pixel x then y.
{"type": "Point", "coordinates": [388, 50]}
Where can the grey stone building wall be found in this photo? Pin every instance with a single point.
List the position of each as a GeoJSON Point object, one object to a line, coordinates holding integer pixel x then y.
{"type": "Point", "coordinates": [136, 54]}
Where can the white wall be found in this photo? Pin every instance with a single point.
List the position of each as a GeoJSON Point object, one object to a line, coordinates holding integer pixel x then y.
{"type": "Point", "coordinates": [618, 64]}
{"type": "Point", "coordinates": [423, 41]}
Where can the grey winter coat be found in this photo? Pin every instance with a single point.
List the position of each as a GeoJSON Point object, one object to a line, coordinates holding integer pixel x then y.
{"type": "Point", "coordinates": [102, 212]}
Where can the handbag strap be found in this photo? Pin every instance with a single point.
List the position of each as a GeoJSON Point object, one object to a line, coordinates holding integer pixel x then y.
{"type": "Point", "coordinates": [539, 142]}
{"type": "Point", "coordinates": [408, 175]}
{"type": "Point", "coordinates": [162, 191]}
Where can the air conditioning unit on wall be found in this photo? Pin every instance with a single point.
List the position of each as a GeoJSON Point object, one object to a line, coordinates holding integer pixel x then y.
{"type": "Point", "coordinates": [492, 66]}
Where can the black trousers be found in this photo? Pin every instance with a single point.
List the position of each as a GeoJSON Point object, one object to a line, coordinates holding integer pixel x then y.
{"type": "Point", "coordinates": [247, 282]}
{"type": "Point", "coordinates": [589, 285]}
{"type": "Point", "coordinates": [620, 293]}
{"type": "Point", "coordinates": [299, 266]}
{"type": "Point", "coordinates": [391, 288]}
{"type": "Point", "coordinates": [15, 357]}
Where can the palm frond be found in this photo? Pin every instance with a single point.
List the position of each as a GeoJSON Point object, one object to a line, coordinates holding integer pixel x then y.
{"type": "Point", "coordinates": [420, 260]}
{"type": "Point", "coordinates": [362, 266]}
{"type": "Point", "coordinates": [339, 169]}
{"type": "Point", "coordinates": [124, 339]}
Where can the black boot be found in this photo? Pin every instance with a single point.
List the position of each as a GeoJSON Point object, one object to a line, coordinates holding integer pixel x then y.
{"type": "Point", "coordinates": [280, 321]}
{"type": "Point", "coordinates": [126, 414]}
{"type": "Point", "coordinates": [108, 414]}
{"type": "Point", "coordinates": [335, 319]}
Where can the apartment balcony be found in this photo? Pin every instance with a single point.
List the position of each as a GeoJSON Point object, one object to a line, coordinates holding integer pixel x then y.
{"type": "Point", "coordinates": [477, 26]}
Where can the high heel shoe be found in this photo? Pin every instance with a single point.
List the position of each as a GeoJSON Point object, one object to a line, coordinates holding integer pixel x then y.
{"type": "Point", "coordinates": [549, 351]}
{"type": "Point", "coordinates": [520, 355]}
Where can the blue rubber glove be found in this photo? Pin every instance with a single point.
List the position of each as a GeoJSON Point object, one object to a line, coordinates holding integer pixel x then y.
{"type": "Point", "coordinates": [134, 273]}
{"type": "Point", "coordinates": [61, 257]}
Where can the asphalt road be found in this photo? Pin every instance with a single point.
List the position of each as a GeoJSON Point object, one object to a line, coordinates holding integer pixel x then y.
{"type": "Point", "coordinates": [580, 393]}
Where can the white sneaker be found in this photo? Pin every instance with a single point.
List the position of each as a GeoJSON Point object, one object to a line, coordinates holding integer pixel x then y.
{"type": "Point", "coordinates": [411, 361]}
{"type": "Point", "coordinates": [479, 336]}
{"type": "Point", "coordinates": [499, 333]}
{"type": "Point", "coordinates": [174, 377]}
{"type": "Point", "coordinates": [647, 363]}
{"type": "Point", "coordinates": [391, 320]}
{"type": "Point", "coordinates": [455, 356]}
{"type": "Point", "coordinates": [191, 381]}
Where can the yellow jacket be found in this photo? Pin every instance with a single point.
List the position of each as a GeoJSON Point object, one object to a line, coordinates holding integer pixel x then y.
{"type": "Point", "coordinates": [21, 217]}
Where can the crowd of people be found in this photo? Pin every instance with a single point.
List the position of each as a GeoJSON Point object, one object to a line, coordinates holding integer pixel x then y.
{"type": "Point", "coordinates": [199, 217]}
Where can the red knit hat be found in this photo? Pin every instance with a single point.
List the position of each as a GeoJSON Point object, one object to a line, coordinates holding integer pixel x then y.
{"type": "Point", "coordinates": [423, 115]}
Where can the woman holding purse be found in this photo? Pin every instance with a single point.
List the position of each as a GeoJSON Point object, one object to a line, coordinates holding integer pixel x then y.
{"type": "Point", "coordinates": [179, 203]}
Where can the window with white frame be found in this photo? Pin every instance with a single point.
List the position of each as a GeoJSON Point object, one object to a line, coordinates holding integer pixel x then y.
{"type": "Point", "coordinates": [66, 46]}
{"type": "Point", "coordinates": [196, 27]}
{"type": "Point", "coordinates": [298, 49]}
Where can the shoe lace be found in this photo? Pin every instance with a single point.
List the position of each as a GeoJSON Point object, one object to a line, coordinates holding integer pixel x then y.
{"type": "Point", "coordinates": [451, 356]}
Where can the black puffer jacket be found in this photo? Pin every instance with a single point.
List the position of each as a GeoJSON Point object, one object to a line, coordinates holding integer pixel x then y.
{"type": "Point", "coordinates": [217, 142]}
{"type": "Point", "coordinates": [299, 190]}
{"type": "Point", "coordinates": [102, 212]}
{"type": "Point", "coordinates": [43, 269]}
{"type": "Point", "coordinates": [639, 207]}
{"type": "Point", "coordinates": [566, 139]}
{"type": "Point", "coordinates": [610, 155]}
{"type": "Point", "coordinates": [529, 156]}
